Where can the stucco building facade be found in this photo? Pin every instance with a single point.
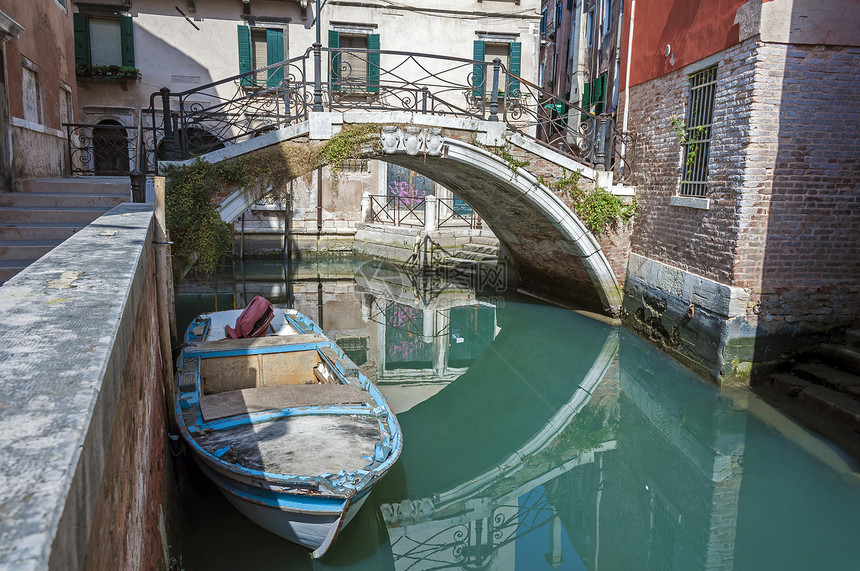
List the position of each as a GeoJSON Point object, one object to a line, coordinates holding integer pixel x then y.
{"type": "Point", "coordinates": [37, 88]}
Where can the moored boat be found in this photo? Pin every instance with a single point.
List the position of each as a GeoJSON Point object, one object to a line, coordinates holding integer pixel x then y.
{"type": "Point", "coordinates": [285, 425]}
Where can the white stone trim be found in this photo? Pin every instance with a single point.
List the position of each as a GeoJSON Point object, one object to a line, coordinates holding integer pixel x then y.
{"type": "Point", "coordinates": [9, 28]}
{"type": "Point", "coordinates": [622, 190]}
{"type": "Point", "coordinates": [722, 299]}
{"type": "Point", "coordinates": [690, 202]}
{"type": "Point", "coordinates": [30, 126]}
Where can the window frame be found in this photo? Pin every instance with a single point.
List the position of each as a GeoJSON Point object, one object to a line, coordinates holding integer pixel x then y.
{"type": "Point", "coordinates": [83, 37]}
{"type": "Point", "coordinates": [698, 131]}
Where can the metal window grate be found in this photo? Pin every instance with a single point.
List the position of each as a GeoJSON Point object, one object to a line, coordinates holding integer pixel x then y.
{"type": "Point", "coordinates": [700, 116]}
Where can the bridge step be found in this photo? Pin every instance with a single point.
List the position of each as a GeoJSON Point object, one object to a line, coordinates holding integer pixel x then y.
{"type": "Point", "coordinates": [26, 249]}
{"type": "Point", "coordinates": [59, 199]}
{"type": "Point", "coordinates": [78, 185]}
{"type": "Point", "coordinates": [482, 249]}
{"type": "Point", "coordinates": [39, 230]}
{"type": "Point", "coordinates": [50, 214]}
{"type": "Point", "coordinates": [9, 268]}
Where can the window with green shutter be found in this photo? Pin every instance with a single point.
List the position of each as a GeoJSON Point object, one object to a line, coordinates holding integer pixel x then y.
{"type": "Point", "coordinates": [478, 54]}
{"type": "Point", "coordinates": [103, 40]}
{"type": "Point", "coordinates": [258, 49]}
{"type": "Point", "coordinates": [514, 61]}
{"type": "Point", "coordinates": [334, 59]}
{"type": "Point", "coordinates": [358, 70]}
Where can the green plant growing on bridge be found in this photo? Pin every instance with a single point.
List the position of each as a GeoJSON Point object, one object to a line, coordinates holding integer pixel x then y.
{"type": "Point", "coordinates": [353, 142]}
{"type": "Point", "coordinates": [598, 209]}
{"type": "Point", "coordinates": [200, 238]}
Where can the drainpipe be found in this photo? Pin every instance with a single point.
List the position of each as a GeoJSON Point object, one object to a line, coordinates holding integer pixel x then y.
{"type": "Point", "coordinates": [627, 73]}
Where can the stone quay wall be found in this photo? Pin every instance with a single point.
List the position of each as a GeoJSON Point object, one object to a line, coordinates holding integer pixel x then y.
{"type": "Point", "coordinates": [84, 462]}
{"type": "Point", "coordinates": [771, 240]}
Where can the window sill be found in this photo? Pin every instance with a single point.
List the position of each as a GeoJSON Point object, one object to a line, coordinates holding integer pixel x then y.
{"type": "Point", "coordinates": [690, 202]}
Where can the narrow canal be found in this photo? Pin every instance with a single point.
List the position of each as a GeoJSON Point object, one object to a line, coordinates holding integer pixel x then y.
{"type": "Point", "coordinates": [535, 438]}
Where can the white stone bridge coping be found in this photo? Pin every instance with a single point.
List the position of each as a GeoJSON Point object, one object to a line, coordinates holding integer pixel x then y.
{"type": "Point", "coordinates": [554, 253]}
{"type": "Point", "coordinates": [82, 417]}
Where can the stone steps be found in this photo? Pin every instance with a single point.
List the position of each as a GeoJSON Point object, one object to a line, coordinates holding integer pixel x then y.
{"type": "Point", "coordinates": [852, 338]}
{"type": "Point", "coordinates": [839, 406]}
{"type": "Point", "coordinates": [9, 268]}
{"type": "Point", "coordinates": [485, 249]}
{"type": "Point", "coordinates": [45, 211]}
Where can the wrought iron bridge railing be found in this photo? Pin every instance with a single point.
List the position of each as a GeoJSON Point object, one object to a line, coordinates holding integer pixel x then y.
{"type": "Point", "coordinates": [244, 106]}
{"type": "Point", "coordinates": [428, 212]}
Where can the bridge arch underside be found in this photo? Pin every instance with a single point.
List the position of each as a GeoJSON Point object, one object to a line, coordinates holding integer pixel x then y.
{"type": "Point", "coordinates": [553, 254]}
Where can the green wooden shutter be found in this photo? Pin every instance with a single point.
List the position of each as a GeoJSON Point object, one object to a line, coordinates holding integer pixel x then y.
{"type": "Point", "coordinates": [334, 60]}
{"type": "Point", "coordinates": [515, 51]}
{"type": "Point", "coordinates": [275, 54]}
{"type": "Point", "coordinates": [373, 63]}
{"type": "Point", "coordinates": [126, 28]}
{"type": "Point", "coordinates": [478, 80]}
{"type": "Point", "coordinates": [244, 35]}
{"type": "Point", "coordinates": [600, 94]}
{"type": "Point", "coordinates": [82, 39]}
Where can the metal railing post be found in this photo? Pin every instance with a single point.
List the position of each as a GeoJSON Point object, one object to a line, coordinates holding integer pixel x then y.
{"type": "Point", "coordinates": [169, 143]}
{"type": "Point", "coordinates": [494, 96]}
{"type": "Point", "coordinates": [317, 77]}
{"type": "Point", "coordinates": [600, 134]}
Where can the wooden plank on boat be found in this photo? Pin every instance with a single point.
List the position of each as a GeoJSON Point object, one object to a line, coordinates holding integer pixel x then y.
{"type": "Point", "coordinates": [253, 345]}
{"type": "Point", "coordinates": [347, 367]}
{"type": "Point", "coordinates": [246, 401]}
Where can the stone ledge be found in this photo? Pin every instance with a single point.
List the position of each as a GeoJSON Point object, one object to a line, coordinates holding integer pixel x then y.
{"type": "Point", "coordinates": [687, 287]}
{"type": "Point", "coordinates": [690, 202]}
{"type": "Point", "coordinates": [69, 319]}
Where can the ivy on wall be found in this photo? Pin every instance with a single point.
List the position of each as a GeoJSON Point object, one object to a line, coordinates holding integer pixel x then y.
{"type": "Point", "coordinates": [201, 240]}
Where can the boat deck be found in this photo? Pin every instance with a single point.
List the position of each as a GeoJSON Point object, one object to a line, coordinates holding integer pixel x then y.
{"type": "Point", "coordinates": [299, 446]}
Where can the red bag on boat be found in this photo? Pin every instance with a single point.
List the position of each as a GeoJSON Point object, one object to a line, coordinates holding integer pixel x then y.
{"type": "Point", "coordinates": [254, 320]}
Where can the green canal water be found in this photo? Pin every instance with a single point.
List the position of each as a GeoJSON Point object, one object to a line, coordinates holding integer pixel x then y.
{"type": "Point", "coordinates": [534, 438]}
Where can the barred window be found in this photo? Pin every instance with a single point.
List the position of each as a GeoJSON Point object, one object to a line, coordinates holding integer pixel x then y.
{"type": "Point", "coordinates": [355, 165]}
{"type": "Point", "coordinates": [697, 139]}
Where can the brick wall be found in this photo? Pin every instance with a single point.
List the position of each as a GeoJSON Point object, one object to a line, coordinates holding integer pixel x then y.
{"type": "Point", "coordinates": [784, 173]}
{"type": "Point", "coordinates": [700, 241]}
{"type": "Point", "coordinates": [131, 510]}
{"type": "Point", "coordinates": [799, 242]}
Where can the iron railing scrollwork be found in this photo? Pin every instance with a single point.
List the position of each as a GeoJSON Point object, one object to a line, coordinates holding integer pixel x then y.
{"type": "Point", "coordinates": [185, 124]}
{"type": "Point", "coordinates": [103, 149]}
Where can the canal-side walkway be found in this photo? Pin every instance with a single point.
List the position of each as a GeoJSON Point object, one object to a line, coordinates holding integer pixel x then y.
{"type": "Point", "coordinates": [83, 440]}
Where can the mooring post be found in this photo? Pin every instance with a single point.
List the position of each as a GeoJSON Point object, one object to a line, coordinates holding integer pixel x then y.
{"type": "Point", "coordinates": [164, 289]}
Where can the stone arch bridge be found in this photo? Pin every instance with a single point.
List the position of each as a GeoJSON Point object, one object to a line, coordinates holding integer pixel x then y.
{"type": "Point", "coordinates": [554, 253]}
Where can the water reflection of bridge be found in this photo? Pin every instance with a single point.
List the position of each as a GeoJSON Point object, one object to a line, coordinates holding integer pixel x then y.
{"type": "Point", "coordinates": [579, 451]}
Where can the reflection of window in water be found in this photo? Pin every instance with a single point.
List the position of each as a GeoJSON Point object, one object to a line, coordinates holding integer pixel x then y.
{"type": "Point", "coordinates": [408, 184]}
{"type": "Point", "coordinates": [471, 331]}
{"type": "Point", "coordinates": [405, 347]}
{"type": "Point", "coordinates": [355, 348]}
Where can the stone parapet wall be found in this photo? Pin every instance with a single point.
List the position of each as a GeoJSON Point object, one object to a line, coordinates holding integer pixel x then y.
{"type": "Point", "coordinates": [84, 475]}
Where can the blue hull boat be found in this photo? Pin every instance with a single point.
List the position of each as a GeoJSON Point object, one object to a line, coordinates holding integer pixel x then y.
{"type": "Point", "coordinates": [285, 425]}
